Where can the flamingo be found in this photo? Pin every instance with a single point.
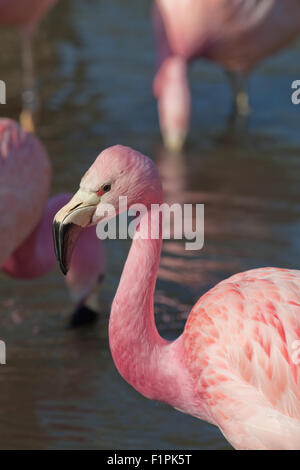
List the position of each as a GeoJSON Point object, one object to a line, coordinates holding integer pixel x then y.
{"type": "Point", "coordinates": [233, 365]}
{"type": "Point", "coordinates": [26, 15]}
{"type": "Point", "coordinates": [26, 220]}
{"type": "Point", "coordinates": [236, 34]}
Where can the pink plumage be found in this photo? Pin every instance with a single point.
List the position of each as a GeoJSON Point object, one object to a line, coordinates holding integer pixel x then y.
{"type": "Point", "coordinates": [239, 349]}
{"type": "Point", "coordinates": [234, 364]}
{"type": "Point", "coordinates": [26, 248]}
{"type": "Point", "coordinates": [235, 34]}
{"type": "Point", "coordinates": [24, 12]}
{"type": "Point", "coordinates": [25, 178]}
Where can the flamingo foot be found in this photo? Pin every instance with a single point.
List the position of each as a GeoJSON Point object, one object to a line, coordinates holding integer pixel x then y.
{"type": "Point", "coordinates": [242, 104]}
{"type": "Point", "coordinates": [174, 140]}
{"type": "Point", "coordinates": [27, 121]}
{"type": "Point", "coordinates": [83, 316]}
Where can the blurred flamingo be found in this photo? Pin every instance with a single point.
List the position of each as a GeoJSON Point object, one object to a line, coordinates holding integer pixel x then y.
{"type": "Point", "coordinates": [26, 15]}
{"type": "Point", "coordinates": [234, 365]}
{"type": "Point", "coordinates": [236, 34]}
{"type": "Point", "coordinates": [26, 220]}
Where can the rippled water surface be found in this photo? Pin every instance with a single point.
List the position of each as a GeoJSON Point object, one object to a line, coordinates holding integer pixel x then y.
{"type": "Point", "coordinates": [60, 388]}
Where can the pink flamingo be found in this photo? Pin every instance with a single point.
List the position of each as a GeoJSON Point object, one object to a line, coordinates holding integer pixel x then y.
{"type": "Point", "coordinates": [236, 34]}
{"type": "Point", "coordinates": [26, 220]}
{"type": "Point", "coordinates": [26, 15]}
{"type": "Point", "coordinates": [234, 365]}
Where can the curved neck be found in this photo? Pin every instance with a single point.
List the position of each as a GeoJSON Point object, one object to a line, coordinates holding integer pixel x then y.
{"type": "Point", "coordinates": [153, 366]}
{"type": "Point", "coordinates": [135, 343]}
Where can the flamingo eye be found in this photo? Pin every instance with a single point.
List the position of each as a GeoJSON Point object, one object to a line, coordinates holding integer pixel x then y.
{"type": "Point", "coordinates": [104, 189]}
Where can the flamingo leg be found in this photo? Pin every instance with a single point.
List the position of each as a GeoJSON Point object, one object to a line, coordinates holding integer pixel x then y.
{"type": "Point", "coordinates": [30, 98]}
{"type": "Point", "coordinates": [241, 106]}
{"type": "Point", "coordinates": [86, 312]}
{"type": "Point", "coordinates": [82, 316]}
{"type": "Point", "coordinates": [238, 119]}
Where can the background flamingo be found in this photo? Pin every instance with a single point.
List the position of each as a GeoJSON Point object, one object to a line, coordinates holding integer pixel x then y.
{"type": "Point", "coordinates": [26, 15]}
{"type": "Point", "coordinates": [26, 219]}
{"type": "Point", "coordinates": [233, 364]}
{"type": "Point", "coordinates": [235, 34]}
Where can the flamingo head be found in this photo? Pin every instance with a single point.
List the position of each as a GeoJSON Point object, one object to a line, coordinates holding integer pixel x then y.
{"type": "Point", "coordinates": [172, 91]}
{"type": "Point", "coordinates": [117, 172]}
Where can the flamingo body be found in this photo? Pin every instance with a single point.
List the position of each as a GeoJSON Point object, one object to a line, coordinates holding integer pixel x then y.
{"type": "Point", "coordinates": [26, 217]}
{"type": "Point", "coordinates": [238, 344]}
{"type": "Point", "coordinates": [235, 34]}
{"type": "Point", "coordinates": [35, 257]}
{"type": "Point", "coordinates": [25, 178]}
{"type": "Point", "coordinates": [234, 365]}
{"type": "Point", "coordinates": [25, 12]}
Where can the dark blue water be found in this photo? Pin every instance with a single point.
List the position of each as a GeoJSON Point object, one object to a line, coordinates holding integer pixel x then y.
{"type": "Point", "coordinates": [60, 388]}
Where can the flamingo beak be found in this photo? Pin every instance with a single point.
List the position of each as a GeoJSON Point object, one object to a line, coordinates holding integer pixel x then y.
{"type": "Point", "coordinates": [69, 223]}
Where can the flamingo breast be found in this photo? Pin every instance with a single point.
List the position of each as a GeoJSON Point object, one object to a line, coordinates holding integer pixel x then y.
{"type": "Point", "coordinates": [244, 332]}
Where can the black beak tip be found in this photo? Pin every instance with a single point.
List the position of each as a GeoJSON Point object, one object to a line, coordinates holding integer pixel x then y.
{"type": "Point", "coordinates": [55, 229]}
{"type": "Point", "coordinates": [63, 269]}
{"type": "Point", "coordinates": [65, 236]}
{"type": "Point", "coordinates": [57, 240]}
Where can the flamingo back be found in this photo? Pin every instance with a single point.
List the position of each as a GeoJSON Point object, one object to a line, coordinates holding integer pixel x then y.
{"type": "Point", "coordinates": [25, 175]}
{"type": "Point", "coordinates": [235, 33]}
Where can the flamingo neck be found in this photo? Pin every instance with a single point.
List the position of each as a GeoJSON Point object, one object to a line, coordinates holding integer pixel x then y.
{"type": "Point", "coordinates": [134, 340]}
{"type": "Point", "coordinates": [153, 366]}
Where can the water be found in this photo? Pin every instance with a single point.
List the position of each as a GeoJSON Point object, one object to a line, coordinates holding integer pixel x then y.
{"type": "Point", "coordinates": [60, 388]}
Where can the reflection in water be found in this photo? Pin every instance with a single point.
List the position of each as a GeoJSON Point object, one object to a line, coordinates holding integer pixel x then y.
{"type": "Point", "coordinates": [178, 266]}
{"type": "Point", "coordinates": [59, 388]}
